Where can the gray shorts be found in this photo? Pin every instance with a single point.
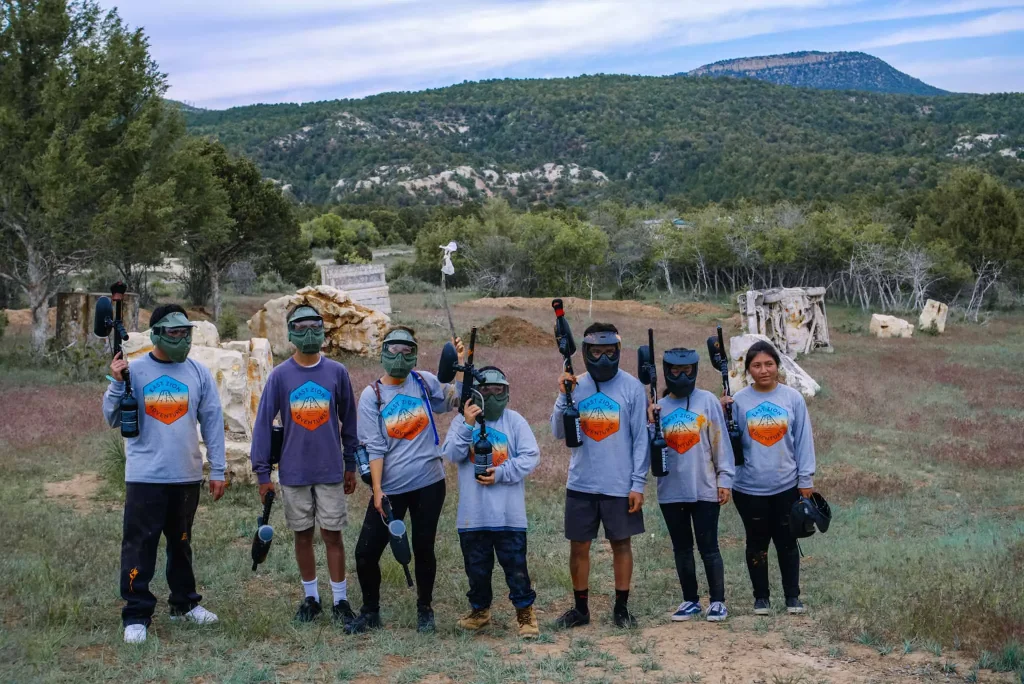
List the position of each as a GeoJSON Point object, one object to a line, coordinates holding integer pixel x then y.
{"type": "Point", "coordinates": [321, 505]}
{"type": "Point", "coordinates": [584, 512]}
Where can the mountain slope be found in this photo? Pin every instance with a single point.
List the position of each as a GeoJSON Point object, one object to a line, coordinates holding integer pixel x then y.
{"type": "Point", "coordinates": [822, 70]}
{"type": "Point", "coordinates": [647, 138]}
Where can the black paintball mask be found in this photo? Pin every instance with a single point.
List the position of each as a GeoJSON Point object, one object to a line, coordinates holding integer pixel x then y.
{"type": "Point", "coordinates": [601, 352]}
{"type": "Point", "coordinates": [682, 384]}
{"type": "Point", "coordinates": [808, 513]}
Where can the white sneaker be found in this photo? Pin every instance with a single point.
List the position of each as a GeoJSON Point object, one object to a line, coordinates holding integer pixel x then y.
{"type": "Point", "coordinates": [198, 615]}
{"type": "Point", "coordinates": [135, 634]}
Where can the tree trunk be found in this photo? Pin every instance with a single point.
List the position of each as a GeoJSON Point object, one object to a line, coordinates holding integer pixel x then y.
{"type": "Point", "coordinates": [38, 292]}
{"type": "Point", "coordinates": [668, 278]}
{"type": "Point", "coordinates": [215, 292]}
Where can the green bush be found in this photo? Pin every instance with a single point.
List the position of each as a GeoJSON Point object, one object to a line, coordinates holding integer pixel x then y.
{"type": "Point", "coordinates": [272, 283]}
{"type": "Point", "coordinates": [407, 284]}
{"type": "Point", "coordinates": [82, 363]}
{"type": "Point", "coordinates": [112, 461]}
{"type": "Point", "coordinates": [227, 326]}
{"type": "Point", "coordinates": [3, 323]}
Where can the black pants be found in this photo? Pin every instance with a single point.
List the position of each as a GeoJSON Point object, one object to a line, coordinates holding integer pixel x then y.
{"type": "Point", "coordinates": [424, 506]}
{"type": "Point", "coordinates": [704, 517]}
{"type": "Point", "coordinates": [149, 511]}
{"type": "Point", "coordinates": [479, 547]}
{"type": "Point", "coordinates": [766, 519]}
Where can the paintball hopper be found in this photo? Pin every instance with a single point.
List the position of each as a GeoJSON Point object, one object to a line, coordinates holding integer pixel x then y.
{"type": "Point", "coordinates": [264, 533]}
{"type": "Point", "coordinates": [103, 321]}
{"type": "Point", "coordinates": [399, 540]}
{"type": "Point", "coordinates": [715, 352]}
{"type": "Point", "coordinates": [808, 513]}
{"type": "Point", "coordinates": [447, 367]}
{"type": "Point", "coordinates": [644, 364]}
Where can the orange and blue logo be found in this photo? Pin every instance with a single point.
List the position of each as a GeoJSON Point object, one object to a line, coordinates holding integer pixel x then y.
{"type": "Point", "coordinates": [405, 417]}
{"type": "Point", "coordinates": [599, 416]}
{"type": "Point", "coordinates": [767, 423]}
{"type": "Point", "coordinates": [310, 405]}
{"type": "Point", "coordinates": [166, 399]}
{"type": "Point", "coordinates": [682, 429]}
{"type": "Point", "coordinates": [499, 445]}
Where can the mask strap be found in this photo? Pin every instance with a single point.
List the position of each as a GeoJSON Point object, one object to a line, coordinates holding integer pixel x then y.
{"type": "Point", "coordinates": [430, 409]}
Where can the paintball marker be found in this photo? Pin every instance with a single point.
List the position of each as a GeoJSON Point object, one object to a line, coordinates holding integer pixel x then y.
{"type": "Point", "coordinates": [109, 319]}
{"type": "Point", "coordinates": [449, 366]}
{"type": "Point", "coordinates": [716, 350]}
{"type": "Point", "coordinates": [648, 373]}
{"type": "Point", "coordinates": [399, 539]}
{"type": "Point", "coordinates": [264, 532]}
{"type": "Point", "coordinates": [567, 347]}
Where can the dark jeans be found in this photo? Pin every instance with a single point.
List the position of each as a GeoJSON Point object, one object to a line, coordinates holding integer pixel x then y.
{"type": "Point", "coordinates": [479, 547]}
{"type": "Point", "coordinates": [149, 511]}
{"type": "Point", "coordinates": [424, 507]}
{"type": "Point", "coordinates": [766, 519]}
{"type": "Point", "coordinates": [704, 517]}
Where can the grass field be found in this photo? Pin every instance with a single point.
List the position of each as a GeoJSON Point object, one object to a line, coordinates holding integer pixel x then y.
{"type": "Point", "coordinates": [921, 577]}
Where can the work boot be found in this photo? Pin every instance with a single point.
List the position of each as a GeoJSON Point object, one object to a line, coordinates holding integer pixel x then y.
{"type": "Point", "coordinates": [527, 619]}
{"type": "Point", "coordinates": [425, 620]}
{"type": "Point", "coordinates": [478, 618]}
{"type": "Point", "coordinates": [364, 623]}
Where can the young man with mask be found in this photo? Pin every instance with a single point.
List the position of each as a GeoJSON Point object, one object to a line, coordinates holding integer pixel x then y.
{"type": "Point", "coordinates": [313, 396]}
{"type": "Point", "coordinates": [492, 508]}
{"type": "Point", "coordinates": [607, 473]}
{"type": "Point", "coordinates": [396, 424]}
{"type": "Point", "coordinates": [164, 468]}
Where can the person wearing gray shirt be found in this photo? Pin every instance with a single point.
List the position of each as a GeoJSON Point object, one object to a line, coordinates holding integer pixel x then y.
{"type": "Point", "coordinates": [164, 468]}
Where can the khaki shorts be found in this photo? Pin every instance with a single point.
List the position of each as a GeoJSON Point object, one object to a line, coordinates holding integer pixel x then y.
{"type": "Point", "coordinates": [322, 505]}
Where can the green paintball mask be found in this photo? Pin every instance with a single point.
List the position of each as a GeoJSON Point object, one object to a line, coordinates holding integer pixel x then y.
{"type": "Point", "coordinates": [172, 335]}
{"type": "Point", "coordinates": [398, 355]}
{"type": "Point", "coordinates": [494, 389]}
{"type": "Point", "coordinates": [306, 329]}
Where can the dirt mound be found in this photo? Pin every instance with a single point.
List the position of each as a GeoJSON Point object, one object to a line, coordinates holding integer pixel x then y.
{"type": "Point", "coordinates": [573, 305]}
{"type": "Point", "coordinates": [698, 309]}
{"type": "Point", "coordinates": [509, 331]}
{"type": "Point", "coordinates": [78, 491]}
{"type": "Point", "coordinates": [21, 319]}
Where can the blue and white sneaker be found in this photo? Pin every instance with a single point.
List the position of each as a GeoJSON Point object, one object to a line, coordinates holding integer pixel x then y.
{"type": "Point", "coordinates": [686, 610]}
{"type": "Point", "coordinates": [716, 612]}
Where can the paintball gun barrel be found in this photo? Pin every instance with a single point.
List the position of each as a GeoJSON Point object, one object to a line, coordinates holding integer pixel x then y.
{"type": "Point", "coordinates": [567, 347]}
{"type": "Point", "coordinates": [264, 532]}
{"type": "Point", "coordinates": [716, 351]}
{"type": "Point", "coordinates": [399, 539]}
{"type": "Point", "coordinates": [648, 371]}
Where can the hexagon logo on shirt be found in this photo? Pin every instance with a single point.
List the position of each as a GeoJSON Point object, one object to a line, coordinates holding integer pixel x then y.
{"type": "Point", "coordinates": [767, 423]}
{"type": "Point", "coordinates": [499, 445]}
{"type": "Point", "coordinates": [599, 416]}
{"type": "Point", "coordinates": [682, 429]}
{"type": "Point", "coordinates": [166, 399]}
{"type": "Point", "coordinates": [405, 417]}
{"type": "Point", "coordinates": [310, 405]}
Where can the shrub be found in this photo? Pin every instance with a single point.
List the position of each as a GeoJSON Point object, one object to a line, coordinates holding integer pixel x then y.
{"type": "Point", "coordinates": [112, 461]}
{"type": "Point", "coordinates": [407, 284]}
{"type": "Point", "coordinates": [272, 283]}
{"type": "Point", "coordinates": [227, 326]}
{"type": "Point", "coordinates": [3, 323]}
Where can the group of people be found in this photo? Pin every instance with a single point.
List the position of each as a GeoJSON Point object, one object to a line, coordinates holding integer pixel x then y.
{"type": "Point", "coordinates": [312, 399]}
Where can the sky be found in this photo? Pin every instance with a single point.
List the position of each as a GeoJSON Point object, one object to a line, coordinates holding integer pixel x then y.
{"type": "Point", "coordinates": [225, 53]}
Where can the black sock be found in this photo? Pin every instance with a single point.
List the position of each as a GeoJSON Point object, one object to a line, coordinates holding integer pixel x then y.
{"type": "Point", "coordinates": [621, 598]}
{"type": "Point", "coordinates": [581, 596]}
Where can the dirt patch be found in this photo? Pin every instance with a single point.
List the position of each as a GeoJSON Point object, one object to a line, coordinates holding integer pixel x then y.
{"type": "Point", "coordinates": [573, 306]}
{"type": "Point", "coordinates": [509, 331]}
{"type": "Point", "coordinates": [20, 320]}
{"type": "Point", "coordinates": [78, 491]}
{"type": "Point", "coordinates": [845, 482]}
{"type": "Point", "coordinates": [698, 309]}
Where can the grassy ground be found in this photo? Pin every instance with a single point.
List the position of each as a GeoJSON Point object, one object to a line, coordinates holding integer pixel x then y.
{"type": "Point", "coordinates": [919, 454]}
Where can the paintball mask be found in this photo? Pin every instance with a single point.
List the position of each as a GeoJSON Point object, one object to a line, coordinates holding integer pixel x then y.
{"type": "Point", "coordinates": [398, 355]}
{"type": "Point", "coordinates": [682, 384]}
{"type": "Point", "coordinates": [172, 335]}
{"type": "Point", "coordinates": [808, 513]}
{"type": "Point", "coordinates": [494, 389]}
{"type": "Point", "coordinates": [601, 351]}
{"type": "Point", "coordinates": [306, 329]}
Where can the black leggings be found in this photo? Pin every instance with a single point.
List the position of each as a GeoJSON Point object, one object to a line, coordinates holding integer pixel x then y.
{"type": "Point", "coordinates": [424, 506]}
{"type": "Point", "coordinates": [766, 519]}
{"type": "Point", "coordinates": [704, 517]}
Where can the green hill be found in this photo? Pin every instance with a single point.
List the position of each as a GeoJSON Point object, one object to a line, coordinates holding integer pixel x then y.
{"type": "Point", "coordinates": [822, 70]}
{"type": "Point", "coordinates": [621, 137]}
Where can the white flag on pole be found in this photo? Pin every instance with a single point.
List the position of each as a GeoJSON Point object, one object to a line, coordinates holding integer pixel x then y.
{"type": "Point", "coordinates": [446, 266]}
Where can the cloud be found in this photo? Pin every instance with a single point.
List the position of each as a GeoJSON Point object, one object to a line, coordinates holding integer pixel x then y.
{"type": "Point", "coordinates": [989, 25]}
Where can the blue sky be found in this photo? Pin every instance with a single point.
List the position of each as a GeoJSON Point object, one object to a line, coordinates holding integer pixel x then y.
{"type": "Point", "coordinates": [220, 53]}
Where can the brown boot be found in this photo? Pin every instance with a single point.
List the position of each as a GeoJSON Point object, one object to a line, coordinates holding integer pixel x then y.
{"type": "Point", "coordinates": [527, 619]}
{"type": "Point", "coordinates": [477, 619]}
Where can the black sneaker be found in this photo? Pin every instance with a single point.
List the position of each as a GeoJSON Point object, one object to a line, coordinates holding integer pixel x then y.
{"type": "Point", "coordinates": [308, 610]}
{"type": "Point", "coordinates": [425, 620]}
{"type": "Point", "coordinates": [762, 607]}
{"type": "Point", "coordinates": [572, 618]}
{"type": "Point", "coordinates": [623, 618]}
{"type": "Point", "coordinates": [342, 612]}
{"type": "Point", "coordinates": [794, 606]}
{"type": "Point", "coordinates": [363, 623]}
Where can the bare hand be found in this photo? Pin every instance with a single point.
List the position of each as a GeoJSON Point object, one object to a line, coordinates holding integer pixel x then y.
{"type": "Point", "coordinates": [118, 366]}
{"type": "Point", "coordinates": [264, 488]}
{"type": "Point", "coordinates": [471, 412]}
{"type": "Point", "coordinates": [461, 349]}
{"type": "Point", "coordinates": [350, 482]}
{"type": "Point", "coordinates": [378, 501]}
{"type": "Point", "coordinates": [806, 492]}
{"type": "Point", "coordinates": [487, 479]}
{"type": "Point", "coordinates": [724, 495]}
{"type": "Point", "coordinates": [566, 377]}
{"type": "Point", "coordinates": [726, 400]}
{"type": "Point", "coordinates": [217, 488]}
{"type": "Point", "coordinates": [653, 411]}
{"type": "Point", "coordinates": [636, 502]}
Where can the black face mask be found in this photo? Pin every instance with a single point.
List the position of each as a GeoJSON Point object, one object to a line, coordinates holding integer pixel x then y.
{"type": "Point", "coordinates": [681, 385]}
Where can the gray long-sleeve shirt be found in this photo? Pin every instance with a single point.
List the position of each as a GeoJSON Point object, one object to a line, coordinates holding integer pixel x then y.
{"type": "Point", "coordinates": [614, 457]}
{"type": "Point", "coordinates": [778, 445]}
{"type": "Point", "coordinates": [401, 431]}
{"type": "Point", "coordinates": [173, 398]}
{"type": "Point", "coordinates": [700, 456]}
{"type": "Point", "coordinates": [502, 505]}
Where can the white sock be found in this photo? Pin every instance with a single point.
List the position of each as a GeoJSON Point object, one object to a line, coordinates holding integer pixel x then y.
{"type": "Point", "coordinates": [340, 590]}
{"type": "Point", "coordinates": [312, 589]}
